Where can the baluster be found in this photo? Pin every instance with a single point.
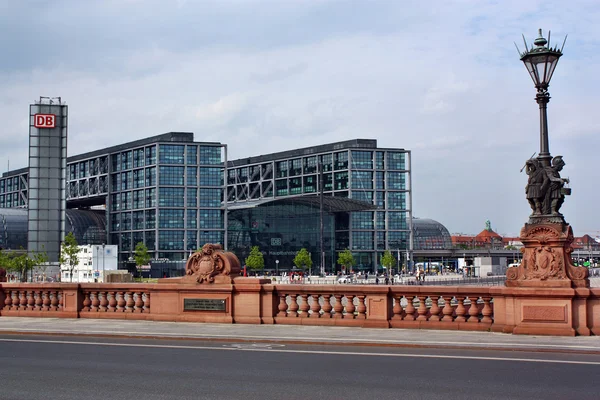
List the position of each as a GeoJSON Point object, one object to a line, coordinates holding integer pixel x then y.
{"type": "Point", "coordinates": [60, 301]}
{"type": "Point", "coordinates": [410, 309]}
{"type": "Point", "coordinates": [39, 300]}
{"type": "Point", "coordinates": [293, 309]}
{"type": "Point", "coordinates": [147, 303]}
{"type": "Point", "coordinates": [121, 303]}
{"type": "Point", "coordinates": [473, 310]}
{"type": "Point", "coordinates": [397, 309]}
{"type": "Point", "coordinates": [139, 302]}
{"type": "Point", "coordinates": [104, 302]}
{"type": "Point", "coordinates": [54, 301]}
{"type": "Point", "coordinates": [283, 306]}
{"type": "Point", "coordinates": [460, 310]}
{"type": "Point", "coordinates": [422, 311]}
{"type": "Point", "coordinates": [315, 307]}
{"type": "Point", "coordinates": [86, 301]}
{"type": "Point", "coordinates": [304, 307]}
{"type": "Point", "coordinates": [130, 303]}
{"type": "Point", "coordinates": [327, 306]}
{"type": "Point", "coordinates": [362, 307]}
{"type": "Point", "coordinates": [338, 308]}
{"type": "Point", "coordinates": [30, 300]}
{"type": "Point", "coordinates": [7, 300]}
{"type": "Point", "coordinates": [435, 309]}
{"type": "Point", "coordinates": [350, 306]}
{"type": "Point", "coordinates": [487, 310]}
{"type": "Point", "coordinates": [448, 310]}
{"type": "Point", "coordinates": [95, 301]}
{"type": "Point", "coordinates": [23, 300]}
{"type": "Point", "coordinates": [112, 303]}
{"type": "Point", "coordinates": [46, 302]}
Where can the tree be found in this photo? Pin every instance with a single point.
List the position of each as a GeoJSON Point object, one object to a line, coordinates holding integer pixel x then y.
{"type": "Point", "coordinates": [346, 259]}
{"type": "Point", "coordinates": [255, 259]}
{"type": "Point", "coordinates": [388, 261]}
{"type": "Point", "coordinates": [68, 253]}
{"type": "Point", "coordinates": [141, 255]}
{"type": "Point", "coordinates": [303, 260]}
{"type": "Point", "coordinates": [23, 263]}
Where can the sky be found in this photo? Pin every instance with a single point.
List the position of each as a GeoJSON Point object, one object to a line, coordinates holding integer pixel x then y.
{"type": "Point", "coordinates": [440, 78]}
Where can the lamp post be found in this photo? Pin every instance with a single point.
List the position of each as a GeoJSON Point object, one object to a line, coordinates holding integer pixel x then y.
{"type": "Point", "coordinates": [276, 267]}
{"type": "Point", "coordinates": [541, 62]}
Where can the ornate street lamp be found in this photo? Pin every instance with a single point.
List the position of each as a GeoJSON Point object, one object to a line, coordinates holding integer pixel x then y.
{"type": "Point", "coordinates": [546, 237]}
{"type": "Point", "coordinates": [541, 62]}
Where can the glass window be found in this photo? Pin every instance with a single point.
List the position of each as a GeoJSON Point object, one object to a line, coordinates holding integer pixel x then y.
{"type": "Point", "coordinates": [192, 155]}
{"type": "Point", "coordinates": [295, 185]}
{"type": "Point", "coordinates": [138, 220]}
{"type": "Point", "coordinates": [170, 240]}
{"type": "Point", "coordinates": [192, 176]}
{"type": "Point", "coordinates": [191, 240]}
{"type": "Point", "coordinates": [150, 197]}
{"type": "Point", "coordinates": [310, 165]}
{"type": "Point", "coordinates": [341, 160]}
{"type": "Point", "coordinates": [396, 180]}
{"type": "Point", "coordinates": [396, 160]}
{"type": "Point", "coordinates": [192, 219]}
{"type": "Point", "coordinates": [151, 155]}
{"type": "Point", "coordinates": [396, 200]}
{"type": "Point", "coordinates": [296, 167]}
{"type": "Point", "coordinates": [211, 176]}
{"type": "Point", "coordinates": [310, 184]}
{"type": "Point", "coordinates": [192, 197]}
{"type": "Point", "coordinates": [150, 220]}
{"type": "Point", "coordinates": [362, 240]}
{"type": "Point", "coordinates": [281, 188]}
{"type": "Point", "coordinates": [171, 176]}
{"type": "Point", "coordinates": [362, 180]}
{"type": "Point", "coordinates": [151, 176]}
{"type": "Point", "coordinates": [397, 220]}
{"type": "Point", "coordinates": [210, 237]}
{"type": "Point", "coordinates": [327, 162]}
{"type": "Point", "coordinates": [341, 180]}
{"type": "Point", "coordinates": [362, 220]}
{"type": "Point", "coordinates": [210, 219]}
{"type": "Point", "coordinates": [138, 178]}
{"type": "Point", "coordinates": [281, 169]}
{"type": "Point", "coordinates": [138, 158]}
{"type": "Point", "coordinates": [362, 159]}
{"type": "Point", "coordinates": [170, 218]}
{"type": "Point", "coordinates": [379, 160]}
{"type": "Point", "coordinates": [210, 197]}
{"type": "Point", "coordinates": [171, 154]}
{"type": "Point", "coordinates": [210, 155]}
{"type": "Point", "coordinates": [138, 199]}
{"type": "Point", "coordinates": [363, 195]}
{"type": "Point", "coordinates": [170, 197]}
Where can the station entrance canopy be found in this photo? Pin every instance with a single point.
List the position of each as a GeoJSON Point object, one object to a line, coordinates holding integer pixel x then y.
{"type": "Point", "coordinates": [330, 204]}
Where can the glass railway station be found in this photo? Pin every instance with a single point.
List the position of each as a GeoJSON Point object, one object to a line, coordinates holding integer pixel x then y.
{"type": "Point", "coordinates": [175, 194]}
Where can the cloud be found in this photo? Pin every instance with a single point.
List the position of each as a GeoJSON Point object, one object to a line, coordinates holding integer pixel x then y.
{"type": "Point", "coordinates": [443, 80]}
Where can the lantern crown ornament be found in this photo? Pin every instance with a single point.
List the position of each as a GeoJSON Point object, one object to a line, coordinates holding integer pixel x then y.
{"type": "Point", "coordinates": [541, 60]}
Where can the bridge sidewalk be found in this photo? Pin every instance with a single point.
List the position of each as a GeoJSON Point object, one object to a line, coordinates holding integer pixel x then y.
{"type": "Point", "coordinates": [291, 334]}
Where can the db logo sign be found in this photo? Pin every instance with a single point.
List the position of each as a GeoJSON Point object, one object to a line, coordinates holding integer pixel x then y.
{"type": "Point", "coordinates": [44, 120]}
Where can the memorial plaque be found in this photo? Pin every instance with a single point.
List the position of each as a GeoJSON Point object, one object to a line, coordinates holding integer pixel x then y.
{"type": "Point", "coordinates": [204, 304]}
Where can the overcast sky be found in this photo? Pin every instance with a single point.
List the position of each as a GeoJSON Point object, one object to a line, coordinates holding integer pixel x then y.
{"type": "Point", "coordinates": [441, 78]}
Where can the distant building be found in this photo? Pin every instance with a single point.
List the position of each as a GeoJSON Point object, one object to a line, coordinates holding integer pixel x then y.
{"type": "Point", "coordinates": [94, 261]}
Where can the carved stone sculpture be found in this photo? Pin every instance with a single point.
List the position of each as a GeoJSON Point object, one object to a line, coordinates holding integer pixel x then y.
{"type": "Point", "coordinates": [211, 265]}
{"type": "Point", "coordinates": [545, 189]}
{"type": "Point", "coordinates": [547, 258]}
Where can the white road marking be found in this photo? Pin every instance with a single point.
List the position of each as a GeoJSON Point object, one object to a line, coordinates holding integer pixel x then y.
{"type": "Point", "coordinates": [340, 353]}
{"type": "Point", "coordinates": [137, 334]}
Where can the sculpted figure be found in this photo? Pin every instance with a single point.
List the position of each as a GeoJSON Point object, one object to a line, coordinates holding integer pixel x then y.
{"type": "Point", "coordinates": [552, 187]}
{"type": "Point", "coordinates": [533, 190]}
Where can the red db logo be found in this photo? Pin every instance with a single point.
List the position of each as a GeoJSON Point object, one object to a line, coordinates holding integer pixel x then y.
{"type": "Point", "coordinates": [44, 120]}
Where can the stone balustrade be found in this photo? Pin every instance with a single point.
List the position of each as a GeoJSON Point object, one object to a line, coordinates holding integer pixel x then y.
{"type": "Point", "coordinates": [557, 311]}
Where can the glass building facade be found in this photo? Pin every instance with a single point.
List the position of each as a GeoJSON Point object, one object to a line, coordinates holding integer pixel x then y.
{"type": "Point", "coordinates": [165, 191]}
{"type": "Point", "coordinates": [357, 170]}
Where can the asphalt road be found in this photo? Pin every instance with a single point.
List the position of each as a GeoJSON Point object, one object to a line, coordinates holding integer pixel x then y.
{"type": "Point", "coordinates": [55, 367]}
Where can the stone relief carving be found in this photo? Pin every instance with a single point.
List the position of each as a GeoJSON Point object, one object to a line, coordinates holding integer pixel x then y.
{"type": "Point", "coordinates": [212, 265]}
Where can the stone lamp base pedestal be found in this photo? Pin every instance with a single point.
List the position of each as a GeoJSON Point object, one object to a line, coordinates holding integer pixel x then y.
{"type": "Point", "coordinates": [547, 256]}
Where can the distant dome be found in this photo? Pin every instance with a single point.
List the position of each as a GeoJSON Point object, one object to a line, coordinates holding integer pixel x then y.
{"type": "Point", "coordinates": [429, 234]}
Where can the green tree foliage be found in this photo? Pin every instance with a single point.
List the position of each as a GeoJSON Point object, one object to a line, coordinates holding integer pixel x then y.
{"type": "Point", "coordinates": [255, 259]}
{"type": "Point", "coordinates": [346, 259]}
{"type": "Point", "coordinates": [23, 263]}
{"type": "Point", "coordinates": [68, 253]}
{"type": "Point", "coordinates": [388, 260]}
{"type": "Point", "coordinates": [141, 255]}
{"type": "Point", "coordinates": [303, 260]}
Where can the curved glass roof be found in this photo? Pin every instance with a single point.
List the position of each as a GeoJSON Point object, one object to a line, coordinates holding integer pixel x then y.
{"type": "Point", "coordinates": [89, 227]}
{"type": "Point", "coordinates": [429, 234]}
